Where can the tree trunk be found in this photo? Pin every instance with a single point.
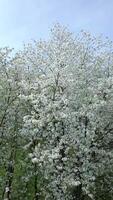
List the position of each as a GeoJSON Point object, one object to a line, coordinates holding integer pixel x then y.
{"type": "Point", "coordinates": [35, 183]}
{"type": "Point", "coordinates": [9, 177]}
{"type": "Point", "coordinates": [77, 193]}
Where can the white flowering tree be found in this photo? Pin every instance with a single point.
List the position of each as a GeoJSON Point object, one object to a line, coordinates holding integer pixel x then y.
{"type": "Point", "coordinates": [11, 117]}
{"type": "Point", "coordinates": [56, 119]}
{"type": "Point", "coordinates": [70, 122]}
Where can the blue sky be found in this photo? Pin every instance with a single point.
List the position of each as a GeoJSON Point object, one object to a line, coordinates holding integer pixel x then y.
{"type": "Point", "coordinates": [23, 20]}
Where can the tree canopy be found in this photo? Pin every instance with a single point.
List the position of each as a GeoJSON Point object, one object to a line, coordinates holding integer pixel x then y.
{"type": "Point", "coordinates": [56, 118]}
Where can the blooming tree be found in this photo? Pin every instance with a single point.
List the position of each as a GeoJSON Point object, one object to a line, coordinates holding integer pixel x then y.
{"type": "Point", "coordinates": [71, 116]}
{"type": "Point", "coordinates": [56, 118]}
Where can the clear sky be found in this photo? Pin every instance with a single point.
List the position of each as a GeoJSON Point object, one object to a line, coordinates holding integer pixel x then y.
{"type": "Point", "coordinates": [23, 20]}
